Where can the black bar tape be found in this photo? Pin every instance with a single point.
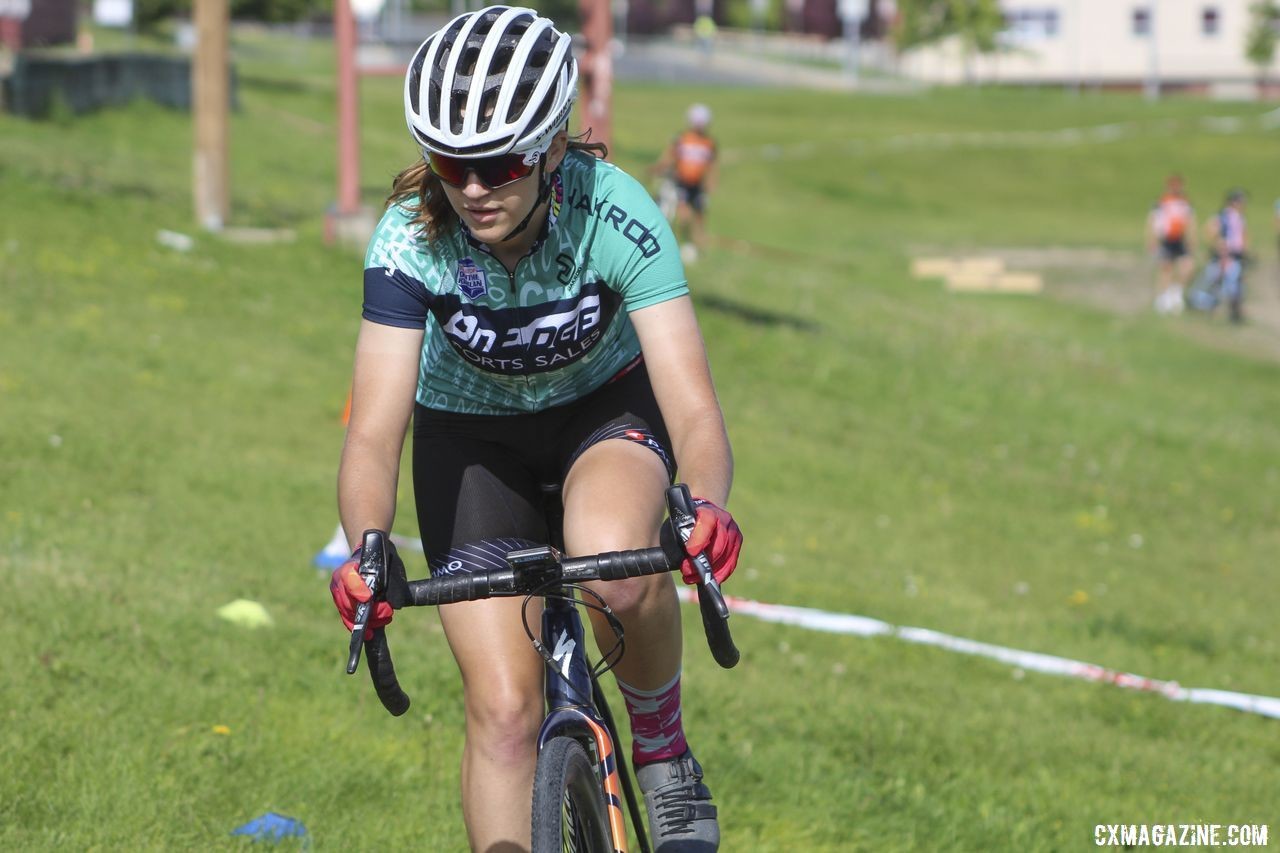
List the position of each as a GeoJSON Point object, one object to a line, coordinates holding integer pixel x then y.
{"type": "Point", "coordinates": [617, 565]}
{"type": "Point", "coordinates": [719, 639]}
{"type": "Point", "coordinates": [383, 673]}
{"type": "Point", "coordinates": [451, 589]}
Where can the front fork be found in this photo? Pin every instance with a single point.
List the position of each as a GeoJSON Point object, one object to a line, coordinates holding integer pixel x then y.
{"type": "Point", "coordinates": [570, 709]}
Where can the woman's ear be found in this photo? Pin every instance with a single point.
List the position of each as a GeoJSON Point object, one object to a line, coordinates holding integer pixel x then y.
{"type": "Point", "coordinates": [555, 154]}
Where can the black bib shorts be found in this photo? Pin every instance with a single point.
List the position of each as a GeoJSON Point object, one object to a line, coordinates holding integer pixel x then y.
{"type": "Point", "coordinates": [478, 479]}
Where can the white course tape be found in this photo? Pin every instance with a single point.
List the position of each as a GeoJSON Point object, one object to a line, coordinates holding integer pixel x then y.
{"type": "Point", "coordinates": [863, 626]}
{"type": "Point", "coordinates": [333, 555]}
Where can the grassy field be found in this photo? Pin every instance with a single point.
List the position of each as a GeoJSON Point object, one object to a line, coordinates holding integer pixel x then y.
{"type": "Point", "coordinates": [1021, 471]}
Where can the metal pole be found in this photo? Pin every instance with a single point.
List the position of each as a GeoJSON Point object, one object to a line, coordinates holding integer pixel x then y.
{"type": "Point", "coordinates": [344, 36]}
{"type": "Point", "coordinates": [1152, 89]}
{"type": "Point", "coordinates": [851, 14]}
{"type": "Point", "coordinates": [621, 11]}
{"type": "Point", "coordinates": [853, 36]}
{"type": "Point", "coordinates": [210, 94]}
{"type": "Point", "coordinates": [1077, 28]}
{"type": "Point", "coordinates": [596, 70]}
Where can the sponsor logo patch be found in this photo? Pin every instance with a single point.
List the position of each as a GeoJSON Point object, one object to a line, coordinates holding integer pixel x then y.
{"type": "Point", "coordinates": [472, 280]}
{"type": "Point", "coordinates": [533, 339]}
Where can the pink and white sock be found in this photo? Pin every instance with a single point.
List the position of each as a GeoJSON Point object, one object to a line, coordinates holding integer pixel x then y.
{"type": "Point", "coordinates": [657, 732]}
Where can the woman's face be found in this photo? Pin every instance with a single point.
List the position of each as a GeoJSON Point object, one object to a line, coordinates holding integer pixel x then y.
{"type": "Point", "coordinates": [490, 215]}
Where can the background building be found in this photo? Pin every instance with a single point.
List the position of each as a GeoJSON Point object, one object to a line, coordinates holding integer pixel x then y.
{"type": "Point", "coordinates": [1186, 43]}
{"type": "Point", "coordinates": [35, 23]}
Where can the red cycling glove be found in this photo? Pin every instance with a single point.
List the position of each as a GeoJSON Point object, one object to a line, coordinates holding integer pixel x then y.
{"type": "Point", "coordinates": [348, 589]}
{"type": "Point", "coordinates": [717, 535]}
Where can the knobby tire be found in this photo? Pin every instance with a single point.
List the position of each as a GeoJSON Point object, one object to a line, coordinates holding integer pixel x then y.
{"type": "Point", "coordinates": [568, 803]}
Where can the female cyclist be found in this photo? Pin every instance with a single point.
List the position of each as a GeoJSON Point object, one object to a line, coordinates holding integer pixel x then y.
{"type": "Point", "coordinates": [525, 305]}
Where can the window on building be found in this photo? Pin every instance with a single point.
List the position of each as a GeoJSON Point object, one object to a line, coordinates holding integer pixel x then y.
{"type": "Point", "coordinates": [1032, 24]}
{"type": "Point", "coordinates": [1141, 21]}
{"type": "Point", "coordinates": [1209, 21]}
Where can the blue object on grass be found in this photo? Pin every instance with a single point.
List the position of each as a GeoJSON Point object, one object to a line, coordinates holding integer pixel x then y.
{"type": "Point", "coordinates": [327, 560]}
{"type": "Point", "coordinates": [335, 553]}
{"type": "Point", "coordinates": [272, 827]}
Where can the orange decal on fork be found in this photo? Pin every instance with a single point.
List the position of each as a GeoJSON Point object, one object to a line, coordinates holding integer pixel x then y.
{"type": "Point", "coordinates": [612, 784]}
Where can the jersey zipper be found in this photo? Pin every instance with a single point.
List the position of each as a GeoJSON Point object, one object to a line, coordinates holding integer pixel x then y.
{"type": "Point", "coordinates": [530, 389]}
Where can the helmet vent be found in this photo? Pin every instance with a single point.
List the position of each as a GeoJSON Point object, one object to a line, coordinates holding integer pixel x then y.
{"type": "Point", "coordinates": [542, 48]}
{"type": "Point", "coordinates": [415, 82]}
{"type": "Point", "coordinates": [485, 24]}
{"type": "Point", "coordinates": [448, 38]}
{"type": "Point", "coordinates": [467, 62]}
{"type": "Point", "coordinates": [487, 105]}
{"type": "Point", "coordinates": [455, 110]}
{"type": "Point", "coordinates": [502, 58]}
{"type": "Point", "coordinates": [540, 114]}
{"type": "Point", "coordinates": [433, 98]}
{"type": "Point", "coordinates": [520, 100]}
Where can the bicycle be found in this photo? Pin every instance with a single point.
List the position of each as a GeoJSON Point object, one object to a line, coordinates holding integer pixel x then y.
{"type": "Point", "coordinates": [580, 778]}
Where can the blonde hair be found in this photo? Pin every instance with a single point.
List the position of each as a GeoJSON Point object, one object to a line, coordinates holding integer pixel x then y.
{"type": "Point", "coordinates": [419, 191]}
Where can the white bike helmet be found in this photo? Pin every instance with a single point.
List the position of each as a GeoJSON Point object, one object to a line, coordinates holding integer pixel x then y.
{"type": "Point", "coordinates": [699, 116]}
{"type": "Point", "coordinates": [491, 82]}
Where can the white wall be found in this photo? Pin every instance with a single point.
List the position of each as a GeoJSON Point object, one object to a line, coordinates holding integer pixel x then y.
{"type": "Point", "coordinates": [1094, 43]}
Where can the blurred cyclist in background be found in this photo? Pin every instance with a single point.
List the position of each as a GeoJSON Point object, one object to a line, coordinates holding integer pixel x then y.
{"type": "Point", "coordinates": [690, 162]}
{"type": "Point", "coordinates": [1171, 239]}
{"type": "Point", "coordinates": [1228, 242]}
{"type": "Point", "coordinates": [1277, 223]}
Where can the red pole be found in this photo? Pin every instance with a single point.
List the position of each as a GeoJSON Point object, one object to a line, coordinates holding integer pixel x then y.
{"type": "Point", "coordinates": [596, 70]}
{"type": "Point", "coordinates": [344, 36]}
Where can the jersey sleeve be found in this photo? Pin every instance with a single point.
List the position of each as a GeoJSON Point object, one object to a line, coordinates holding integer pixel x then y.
{"type": "Point", "coordinates": [393, 294]}
{"type": "Point", "coordinates": [635, 246]}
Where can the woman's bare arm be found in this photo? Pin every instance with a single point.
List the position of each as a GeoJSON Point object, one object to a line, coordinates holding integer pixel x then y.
{"type": "Point", "coordinates": [676, 359]}
{"type": "Point", "coordinates": [382, 394]}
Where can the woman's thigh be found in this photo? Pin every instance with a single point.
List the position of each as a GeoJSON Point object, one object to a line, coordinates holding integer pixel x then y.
{"type": "Point", "coordinates": [501, 672]}
{"type": "Point", "coordinates": [613, 498]}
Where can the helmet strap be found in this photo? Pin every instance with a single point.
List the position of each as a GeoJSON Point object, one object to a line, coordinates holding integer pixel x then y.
{"type": "Point", "coordinates": [544, 192]}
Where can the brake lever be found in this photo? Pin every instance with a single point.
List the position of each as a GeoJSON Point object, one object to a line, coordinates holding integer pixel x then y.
{"type": "Point", "coordinates": [373, 568]}
{"type": "Point", "coordinates": [684, 523]}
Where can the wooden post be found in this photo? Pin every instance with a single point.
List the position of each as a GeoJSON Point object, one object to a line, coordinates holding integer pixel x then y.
{"type": "Point", "coordinates": [596, 70]}
{"type": "Point", "coordinates": [211, 103]}
{"type": "Point", "coordinates": [344, 36]}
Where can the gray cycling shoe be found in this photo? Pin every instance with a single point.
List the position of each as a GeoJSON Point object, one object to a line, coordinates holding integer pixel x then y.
{"type": "Point", "coordinates": [681, 817]}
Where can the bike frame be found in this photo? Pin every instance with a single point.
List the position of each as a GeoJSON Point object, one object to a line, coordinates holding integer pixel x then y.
{"type": "Point", "coordinates": [571, 710]}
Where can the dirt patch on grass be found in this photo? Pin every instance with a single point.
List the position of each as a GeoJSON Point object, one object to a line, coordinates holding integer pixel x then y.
{"type": "Point", "coordinates": [1124, 283]}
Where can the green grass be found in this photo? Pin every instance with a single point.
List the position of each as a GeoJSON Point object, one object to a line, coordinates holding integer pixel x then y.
{"type": "Point", "coordinates": [171, 428]}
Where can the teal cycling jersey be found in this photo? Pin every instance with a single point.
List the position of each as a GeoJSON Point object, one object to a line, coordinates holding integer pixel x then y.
{"type": "Point", "coordinates": [551, 330]}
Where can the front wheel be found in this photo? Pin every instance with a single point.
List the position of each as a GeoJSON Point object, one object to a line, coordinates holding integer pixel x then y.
{"type": "Point", "coordinates": [568, 803]}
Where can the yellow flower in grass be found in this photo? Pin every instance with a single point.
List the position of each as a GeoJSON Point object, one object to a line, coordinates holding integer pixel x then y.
{"type": "Point", "coordinates": [221, 729]}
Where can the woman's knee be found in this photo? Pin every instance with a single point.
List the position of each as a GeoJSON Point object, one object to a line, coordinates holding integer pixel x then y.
{"type": "Point", "coordinates": [635, 596]}
{"type": "Point", "coordinates": [503, 722]}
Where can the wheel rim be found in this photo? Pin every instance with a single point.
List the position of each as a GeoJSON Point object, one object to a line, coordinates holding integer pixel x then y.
{"type": "Point", "coordinates": [571, 827]}
{"type": "Point", "coordinates": [582, 828]}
